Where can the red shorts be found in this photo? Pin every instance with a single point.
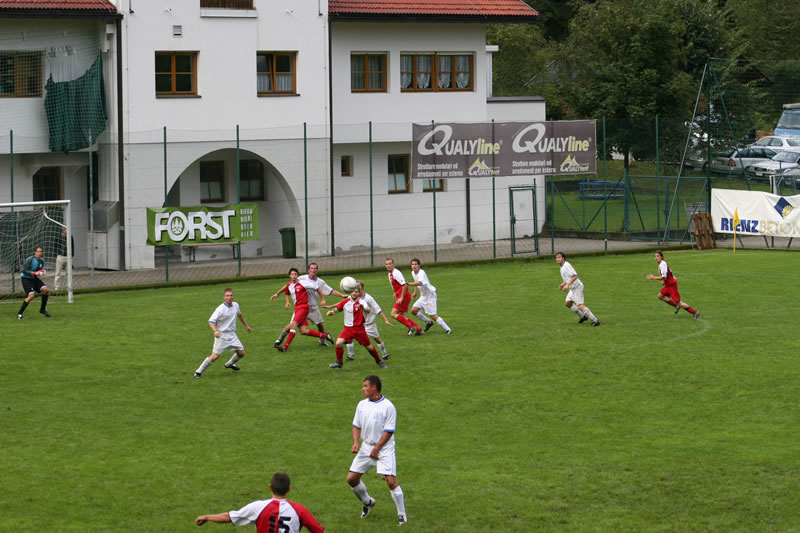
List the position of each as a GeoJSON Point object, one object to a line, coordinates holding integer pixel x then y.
{"type": "Point", "coordinates": [403, 306]}
{"type": "Point", "coordinates": [355, 332]}
{"type": "Point", "coordinates": [300, 315]}
{"type": "Point", "coordinates": [672, 292]}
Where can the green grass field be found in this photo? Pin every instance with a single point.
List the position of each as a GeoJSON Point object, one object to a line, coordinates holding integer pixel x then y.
{"type": "Point", "coordinates": [521, 420]}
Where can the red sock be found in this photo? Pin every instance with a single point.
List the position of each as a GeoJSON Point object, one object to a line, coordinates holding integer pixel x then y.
{"type": "Point", "coordinates": [407, 323]}
{"type": "Point", "coordinates": [313, 333]}
{"type": "Point", "coordinates": [339, 354]}
{"type": "Point", "coordinates": [289, 339]}
{"type": "Point", "coordinates": [691, 310]}
{"type": "Point", "coordinates": [374, 353]}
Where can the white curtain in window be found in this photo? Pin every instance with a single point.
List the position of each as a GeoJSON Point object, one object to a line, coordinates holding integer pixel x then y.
{"type": "Point", "coordinates": [283, 82]}
{"type": "Point", "coordinates": [462, 66]}
{"type": "Point", "coordinates": [356, 72]}
{"type": "Point", "coordinates": [406, 71]}
{"type": "Point", "coordinates": [423, 72]}
{"type": "Point", "coordinates": [375, 72]}
{"type": "Point", "coordinates": [444, 72]}
{"type": "Point", "coordinates": [264, 82]}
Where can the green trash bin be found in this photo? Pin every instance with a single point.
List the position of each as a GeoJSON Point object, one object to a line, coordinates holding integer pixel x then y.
{"type": "Point", "coordinates": [288, 242]}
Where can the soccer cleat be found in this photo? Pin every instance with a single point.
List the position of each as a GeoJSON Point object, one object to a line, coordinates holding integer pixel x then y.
{"type": "Point", "coordinates": [45, 313]}
{"type": "Point", "coordinates": [418, 332]}
{"type": "Point", "coordinates": [329, 337]}
{"type": "Point", "coordinates": [385, 357]}
{"type": "Point", "coordinates": [677, 309]}
{"type": "Point", "coordinates": [280, 348]}
{"type": "Point", "coordinates": [277, 343]}
{"type": "Point", "coordinates": [367, 507]}
{"type": "Point", "coordinates": [323, 343]}
{"type": "Point", "coordinates": [232, 366]}
{"type": "Point", "coordinates": [583, 319]}
{"type": "Point", "coordinates": [410, 332]}
{"type": "Point", "coordinates": [351, 357]}
{"type": "Point", "coordinates": [19, 316]}
{"type": "Point", "coordinates": [382, 364]}
{"type": "Point", "coordinates": [198, 375]}
{"type": "Point", "coordinates": [595, 323]}
{"type": "Point", "coordinates": [401, 519]}
{"type": "Point", "coordinates": [696, 315]}
{"type": "Point", "coordinates": [337, 364]}
{"type": "Point", "coordinates": [429, 325]}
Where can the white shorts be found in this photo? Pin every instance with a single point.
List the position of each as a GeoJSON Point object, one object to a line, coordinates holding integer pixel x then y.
{"type": "Point", "coordinates": [386, 464]}
{"type": "Point", "coordinates": [314, 315]}
{"type": "Point", "coordinates": [372, 330]}
{"type": "Point", "coordinates": [427, 304]}
{"type": "Point", "coordinates": [226, 342]}
{"type": "Point", "coordinates": [575, 293]}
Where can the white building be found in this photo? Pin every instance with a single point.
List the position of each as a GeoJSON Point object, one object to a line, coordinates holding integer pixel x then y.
{"type": "Point", "coordinates": [201, 68]}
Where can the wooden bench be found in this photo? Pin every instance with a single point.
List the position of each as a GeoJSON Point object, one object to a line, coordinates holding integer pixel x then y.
{"type": "Point", "coordinates": [600, 190]}
{"type": "Point", "coordinates": [193, 248]}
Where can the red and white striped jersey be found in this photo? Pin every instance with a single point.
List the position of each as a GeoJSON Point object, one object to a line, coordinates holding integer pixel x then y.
{"type": "Point", "coordinates": [276, 516]}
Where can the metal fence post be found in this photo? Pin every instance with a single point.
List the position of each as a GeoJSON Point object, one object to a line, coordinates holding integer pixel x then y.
{"type": "Point", "coordinates": [166, 248]}
{"type": "Point", "coordinates": [239, 198]}
{"type": "Point", "coordinates": [371, 210]}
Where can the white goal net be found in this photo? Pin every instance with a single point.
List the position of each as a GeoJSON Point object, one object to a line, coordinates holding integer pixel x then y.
{"type": "Point", "coordinates": [24, 226]}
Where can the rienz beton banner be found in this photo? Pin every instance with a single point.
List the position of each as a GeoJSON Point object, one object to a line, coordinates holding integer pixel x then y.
{"type": "Point", "coordinates": [759, 213]}
{"type": "Point", "coordinates": [204, 224]}
{"type": "Point", "coordinates": [485, 149]}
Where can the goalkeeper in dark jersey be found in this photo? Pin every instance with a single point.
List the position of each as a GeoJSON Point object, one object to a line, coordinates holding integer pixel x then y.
{"type": "Point", "coordinates": [32, 282]}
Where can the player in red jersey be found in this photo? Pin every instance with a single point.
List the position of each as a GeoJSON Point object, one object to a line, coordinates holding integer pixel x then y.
{"type": "Point", "coordinates": [669, 293]}
{"type": "Point", "coordinates": [299, 319]}
{"type": "Point", "coordinates": [353, 308]}
{"type": "Point", "coordinates": [402, 298]}
{"type": "Point", "coordinates": [269, 516]}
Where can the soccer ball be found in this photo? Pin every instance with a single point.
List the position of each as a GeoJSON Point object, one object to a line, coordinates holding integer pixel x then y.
{"type": "Point", "coordinates": [348, 284]}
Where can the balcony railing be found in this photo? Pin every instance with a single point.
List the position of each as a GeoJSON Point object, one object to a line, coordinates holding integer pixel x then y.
{"type": "Point", "coordinates": [227, 4]}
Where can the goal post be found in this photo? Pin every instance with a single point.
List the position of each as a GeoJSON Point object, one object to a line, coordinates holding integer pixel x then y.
{"type": "Point", "coordinates": [26, 225]}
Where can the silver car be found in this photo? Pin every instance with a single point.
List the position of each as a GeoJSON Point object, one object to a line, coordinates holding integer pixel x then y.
{"type": "Point", "coordinates": [735, 161]}
{"type": "Point", "coordinates": [777, 143]}
{"type": "Point", "coordinates": [780, 162]}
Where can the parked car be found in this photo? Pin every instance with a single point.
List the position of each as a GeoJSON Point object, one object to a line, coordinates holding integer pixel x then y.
{"type": "Point", "coordinates": [735, 161]}
{"type": "Point", "coordinates": [779, 163]}
{"type": "Point", "coordinates": [778, 143]}
{"type": "Point", "coordinates": [790, 179]}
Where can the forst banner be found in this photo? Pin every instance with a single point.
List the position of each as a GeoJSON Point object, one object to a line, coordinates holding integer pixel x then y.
{"type": "Point", "coordinates": [204, 224]}
{"type": "Point", "coordinates": [759, 213]}
{"type": "Point", "coordinates": [485, 149]}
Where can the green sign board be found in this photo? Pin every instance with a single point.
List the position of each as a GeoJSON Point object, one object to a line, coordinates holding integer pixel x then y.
{"type": "Point", "coordinates": [198, 225]}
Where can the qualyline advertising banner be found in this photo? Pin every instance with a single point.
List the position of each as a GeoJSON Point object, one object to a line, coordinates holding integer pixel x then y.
{"type": "Point", "coordinates": [759, 213]}
{"type": "Point", "coordinates": [198, 225]}
{"type": "Point", "coordinates": [485, 149]}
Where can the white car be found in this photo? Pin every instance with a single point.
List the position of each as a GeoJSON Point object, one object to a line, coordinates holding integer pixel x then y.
{"type": "Point", "coordinates": [780, 162]}
{"type": "Point", "coordinates": [735, 161]}
{"type": "Point", "coordinates": [777, 143]}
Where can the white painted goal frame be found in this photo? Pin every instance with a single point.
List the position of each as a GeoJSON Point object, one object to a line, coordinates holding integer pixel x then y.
{"type": "Point", "coordinates": [65, 205]}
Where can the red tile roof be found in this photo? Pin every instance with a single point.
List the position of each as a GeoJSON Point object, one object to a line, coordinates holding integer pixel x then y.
{"type": "Point", "coordinates": [58, 5]}
{"type": "Point", "coordinates": [438, 8]}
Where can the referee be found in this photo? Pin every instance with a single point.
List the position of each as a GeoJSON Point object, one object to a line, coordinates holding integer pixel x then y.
{"type": "Point", "coordinates": [32, 282]}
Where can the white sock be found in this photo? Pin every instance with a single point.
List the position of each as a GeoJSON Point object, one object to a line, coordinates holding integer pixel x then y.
{"type": "Point", "coordinates": [442, 323]}
{"type": "Point", "coordinates": [576, 310]}
{"type": "Point", "coordinates": [361, 492]}
{"type": "Point", "coordinates": [233, 359]}
{"type": "Point", "coordinates": [205, 364]}
{"type": "Point", "coordinates": [588, 312]}
{"type": "Point", "coordinates": [397, 496]}
{"type": "Point", "coordinates": [383, 349]}
{"type": "Point", "coordinates": [351, 350]}
{"type": "Point", "coordinates": [422, 317]}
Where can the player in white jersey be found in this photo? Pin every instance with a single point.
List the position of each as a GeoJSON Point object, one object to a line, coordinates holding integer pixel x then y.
{"type": "Point", "coordinates": [370, 324]}
{"type": "Point", "coordinates": [574, 285]}
{"type": "Point", "coordinates": [223, 323]}
{"type": "Point", "coordinates": [374, 425]}
{"type": "Point", "coordinates": [317, 298]}
{"type": "Point", "coordinates": [270, 516]}
{"type": "Point", "coordinates": [427, 298]}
